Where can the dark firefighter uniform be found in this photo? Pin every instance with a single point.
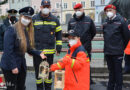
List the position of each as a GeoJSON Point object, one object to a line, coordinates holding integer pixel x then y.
{"type": "Point", "coordinates": [7, 22]}
{"type": "Point", "coordinates": [86, 29]}
{"type": "Point", "coordinates": [116, 37]}
{"type": "Point", "coordinates": [46, 29]}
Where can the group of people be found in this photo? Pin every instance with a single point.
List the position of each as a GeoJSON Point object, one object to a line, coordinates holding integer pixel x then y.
{"type": "Point", "coordinates": [37, 35]}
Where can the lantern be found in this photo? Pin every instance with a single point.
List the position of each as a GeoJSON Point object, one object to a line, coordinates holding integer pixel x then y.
{"type": "Point", "coordinates": [59, 79]}
{"type": "Point", "coordinates": [44, 70]}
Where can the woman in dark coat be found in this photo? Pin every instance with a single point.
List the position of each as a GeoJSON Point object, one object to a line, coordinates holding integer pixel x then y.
{"type": "Point", "coordinates": [18, 40]}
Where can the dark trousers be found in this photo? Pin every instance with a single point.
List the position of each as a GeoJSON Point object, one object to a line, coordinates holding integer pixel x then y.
{"type": "Point", "coordinates": [47, 84]}
{"type": "Point", "coordinates": [15, 81]}
{"type": "Point", "coordinates": [114, 63]}
{"type": "Point", "coordinates": [127, 63]}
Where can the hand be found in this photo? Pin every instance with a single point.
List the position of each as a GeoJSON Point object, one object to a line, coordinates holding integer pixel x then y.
{"type": "Point", "coordinates": [60, 60]}
{"type": "Point", "coordinates": [1, 52]}
{"type": "Point", "coordinates": [15, 71]}
{"type": "Point", "coordinates": [42, 55]}
{"type": "Point", "coordinates": [57, 54]}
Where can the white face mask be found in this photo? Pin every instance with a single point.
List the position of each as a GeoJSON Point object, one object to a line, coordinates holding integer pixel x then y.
{"type": "Point", "coordinates": [45, 11]}
{"type": "Point", "coordinates": [25, 22]}
{"type": "Point", "coordinates": [110, 14]}
{"type": "Point", "coordinates": [79, 13]}
{"type": "Point", "coordinates": [72, 42]}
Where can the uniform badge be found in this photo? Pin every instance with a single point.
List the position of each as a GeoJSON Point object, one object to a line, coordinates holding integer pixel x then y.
{"type": "Point", "coordinates": [51, 33]}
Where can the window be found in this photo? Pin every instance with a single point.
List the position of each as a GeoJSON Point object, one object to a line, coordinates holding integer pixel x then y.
{"type": "Point", "coordinates": [12, 1]}
{"type": "Point", "coordinates": [57, 5]}
{"type": "Point", "coordinates": [83, 3]}
{"type": "Point", "coordinates": [73, 4]}
{"type": "Point", "coordinates": [102, 2]}
{"type": "Point", "coordinates": [92, 3]}
{"type": "Point", "coordinates": [65, 5]}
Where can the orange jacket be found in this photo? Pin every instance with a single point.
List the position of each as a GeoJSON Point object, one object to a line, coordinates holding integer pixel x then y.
{"type": "Point", "coordinates": [80, 79]}
{"type": "Point", "coordinates": [127, 50]}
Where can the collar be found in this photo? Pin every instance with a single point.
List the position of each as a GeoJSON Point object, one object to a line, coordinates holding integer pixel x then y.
{"type": "Point", "coordinates": [72, 49]}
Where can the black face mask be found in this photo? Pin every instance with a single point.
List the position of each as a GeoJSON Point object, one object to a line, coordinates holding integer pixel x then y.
{"type": "Point", "coordinates": [13, 19]}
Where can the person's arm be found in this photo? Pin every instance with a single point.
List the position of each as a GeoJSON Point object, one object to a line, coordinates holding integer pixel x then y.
{"type": "Point", "coordinates": [92, 29]}
{"type": "Point", "coordinates": [9, 43]}
{"type": "Point", "coordinates": [58, 33]}
{"type": "Point", "coordinates": [125, 32]}
{"type": "Point", "coordinates": [75, 64]}
{"type": "Point", "coordinates": [57, 66]}
{"type": "Point", "coordinates": [36, 52]}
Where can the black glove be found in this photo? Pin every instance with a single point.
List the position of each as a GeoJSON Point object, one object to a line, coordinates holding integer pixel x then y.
{"type": "Point", "coordinates": [58, 48]}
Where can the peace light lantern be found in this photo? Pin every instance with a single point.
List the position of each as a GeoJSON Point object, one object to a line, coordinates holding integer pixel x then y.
{"type": "Point", "coordinates": [59, 79]}
{"type": "Point", "coordinates": [44, 70]}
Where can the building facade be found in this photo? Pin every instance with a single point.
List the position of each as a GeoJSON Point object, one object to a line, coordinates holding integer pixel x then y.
{"type": "Point", "coordinates": [36, 5]}
{"type": "Point", "coordinates": [63, 9]}
{"type": "Point", "coordinates": [4, 8]}
{"type": "Point", "coordinates": [99, 10]}
{"type": "Point", "coordinates": [18, 4]}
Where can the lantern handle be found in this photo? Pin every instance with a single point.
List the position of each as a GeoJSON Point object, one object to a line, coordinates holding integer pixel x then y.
{"type": "Point", "coordinates": [44, 59]}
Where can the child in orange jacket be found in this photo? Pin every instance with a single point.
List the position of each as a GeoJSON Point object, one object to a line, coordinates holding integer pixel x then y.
{"type": "Point", "coordinates": [76, 64]}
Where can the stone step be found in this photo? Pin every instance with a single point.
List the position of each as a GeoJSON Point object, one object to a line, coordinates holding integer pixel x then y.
{"type": "Point", "coordinates": [105, 76]}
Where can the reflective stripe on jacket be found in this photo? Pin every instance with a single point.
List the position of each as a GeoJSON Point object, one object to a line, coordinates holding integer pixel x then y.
{"type": "Point", "coordinates": [45, 32]}
{"type": "Point", "coordinates": [77, 71]}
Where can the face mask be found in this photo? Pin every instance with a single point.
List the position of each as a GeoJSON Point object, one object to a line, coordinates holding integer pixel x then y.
{"type": "Point", "coordinates": [72, 42]}
{"type": "Point", "coordinates": [45, 11]}
{"type": "Point", "coordinates": [25, 22]}
{"type": "Point", "coordinates": [12, 19]}
{"type": "Point", "coordinates": [110, 14]}
{"type": "Point", "coordinates": [79, 13]}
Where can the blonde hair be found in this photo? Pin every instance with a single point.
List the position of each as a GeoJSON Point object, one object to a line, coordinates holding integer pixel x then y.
{"type": "Point", "coordinates": [22, 37]}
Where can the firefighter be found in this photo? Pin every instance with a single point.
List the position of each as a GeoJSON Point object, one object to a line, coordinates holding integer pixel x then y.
{"type": "Point", "coordinates": [116, 37]}
{"type": "Point", "coordinates": [46, 29]}
{"type": "Point", "coordinates": [18, 40]}
{"type": "Point", "coordinates": [10, 20]}
{"type": "Point", "coordinates": [84, 26]}
{"type": "Point", "coordinates": [76, 64]}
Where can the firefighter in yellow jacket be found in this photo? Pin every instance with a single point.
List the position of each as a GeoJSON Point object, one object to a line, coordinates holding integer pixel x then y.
{"type": "Point", "coordinates": [46, 29]}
